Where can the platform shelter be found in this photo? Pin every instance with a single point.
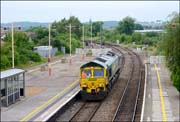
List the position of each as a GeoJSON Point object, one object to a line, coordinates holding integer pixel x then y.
{"type": "Point", "coordinates": [12, 86]}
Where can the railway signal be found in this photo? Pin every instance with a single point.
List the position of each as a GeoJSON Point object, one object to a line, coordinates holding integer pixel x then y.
{"type": "Point", "coordinates": [12, 39]}
{"type": "Point", "coordinates": [4, 28]}
{"type": "Point", "coordinates": [8, 28]}
{"type": "Point", "coordinates": [19, 28]}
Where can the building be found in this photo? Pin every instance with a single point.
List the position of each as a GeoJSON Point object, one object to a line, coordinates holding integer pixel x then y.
{"type": "Point", "coordinates": [44, 50]}
{"type": "Point", "coordinates": [12, 86]}
{"type": "Point", "coordinates": [150, 30]}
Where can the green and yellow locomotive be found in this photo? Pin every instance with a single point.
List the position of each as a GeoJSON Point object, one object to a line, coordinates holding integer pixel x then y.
{"type": "Point", "coordinates": [98, 75]}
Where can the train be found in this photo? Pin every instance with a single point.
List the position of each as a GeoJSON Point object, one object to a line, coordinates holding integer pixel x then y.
{"type": "Point", "coordinates": [98, 75]}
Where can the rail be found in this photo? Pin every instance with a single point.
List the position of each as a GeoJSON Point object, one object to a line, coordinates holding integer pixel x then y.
{"type": "Point", "coordinates": [122, 104]}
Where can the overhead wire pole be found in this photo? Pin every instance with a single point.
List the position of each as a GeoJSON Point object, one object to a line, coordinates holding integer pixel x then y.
{"type": "Point", "coordinates": [49, 58]}
{"type": "Point", "coordinates": [91, 34]}
{"type": "Point", "coordinates": [70, 60]}
{"type": "Point", "coordinates": [83, 40]}
{"type": "Point", "coordinates": [12, 36]}
{"type": "Point", "coordinates": [70, 47]}
{"type": "Point", "coordinates": [49, 42]}
{"type": "Point", "coordinates": [100, 36]}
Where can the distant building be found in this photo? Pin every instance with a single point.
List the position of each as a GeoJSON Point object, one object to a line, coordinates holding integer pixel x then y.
{"type": "Point", "coordinates": [44, 50]}
{"type": "Point", "coordinates": [150, 30]}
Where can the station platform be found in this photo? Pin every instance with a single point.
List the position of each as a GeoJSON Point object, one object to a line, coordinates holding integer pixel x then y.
{"type": "Point", "coordinates": [161, 99]}
{"type": "Point", "coordinates": [45, 93]}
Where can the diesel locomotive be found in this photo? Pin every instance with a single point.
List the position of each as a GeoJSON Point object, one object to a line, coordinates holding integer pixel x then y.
{"type": "Point", "coordinates": [98, 76]}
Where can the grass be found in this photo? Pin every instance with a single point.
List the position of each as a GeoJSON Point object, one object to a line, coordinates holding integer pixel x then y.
{"type": "Point", "coordinates": [93, 38]}
{"type": "Point", "coordinates": [32, 64]}
{"type": "Point", "coordinates": [149, 49]}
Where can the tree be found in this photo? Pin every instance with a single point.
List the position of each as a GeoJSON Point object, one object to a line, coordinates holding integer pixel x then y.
{"type": "Point", "coordinates": [138, 27]}
{"type": "Point", "coordinates": [77, 29]}
{"type": "Point", "coordinates": [96, 27]}
{"type": "Point", "coordinates": [136, 37]}
{"type": "Point", "coordinates": [126, 26]}
{"type": "Point", "coordinates": [59, 33]}
{"type": "Point", "coordinates": [23, 50]}
{"type": "Point", "coordinates": [171, 47]}
{"type": "Point", "coordinates": [62, 26]}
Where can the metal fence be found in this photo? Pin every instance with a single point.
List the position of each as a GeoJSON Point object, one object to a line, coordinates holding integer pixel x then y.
{"type": "Point", "coordinates": [44, 50]}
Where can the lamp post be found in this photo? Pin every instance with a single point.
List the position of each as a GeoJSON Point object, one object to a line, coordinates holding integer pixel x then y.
{"type": "Point", "coordinates": [101, 35]}
{"type": "Point", "coordinates": [70, 47]}
{"type": "Point", "coordinates": [49, 58]}
{"type": "Point", "coordinates": [83, 40]}
{"type": "Point", "coordinates": [12, 36]}
{"type": "Point", "coordinates": [70, 57]}
{"type": "Point", "coordinates": [70, 43]}
{"type": "Point", "coordinates": [12, 39]}
{"type": "Point", "coordinates": [91, 35]}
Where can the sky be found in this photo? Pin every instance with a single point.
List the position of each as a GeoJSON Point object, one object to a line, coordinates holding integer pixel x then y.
{"type": "Point", "coordinates": [49, 11]}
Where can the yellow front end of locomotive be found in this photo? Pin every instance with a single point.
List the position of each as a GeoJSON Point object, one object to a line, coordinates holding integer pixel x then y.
{"type": "Point", "coordinates": [93, 79]}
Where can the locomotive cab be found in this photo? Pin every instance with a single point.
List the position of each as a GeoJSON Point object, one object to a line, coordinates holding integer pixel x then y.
{"type": "Point", "coordinates": [93, 81]}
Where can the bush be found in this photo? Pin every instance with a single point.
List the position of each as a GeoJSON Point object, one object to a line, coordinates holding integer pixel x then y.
{"type": "Point", "coordinates": [4, 62]}
{"type": "Point", "coordinates": [175, 77]}
{"type": "Point", "coordinates": [35, 57]}
{"type": "Point", "coordinates": [151, 34]}
{"type": "Point", "coordinates": [89, 53]}
{"type": "Point", "coordinates": [136, 37]}
{"type": "Point", "coordinates": [58, 53]}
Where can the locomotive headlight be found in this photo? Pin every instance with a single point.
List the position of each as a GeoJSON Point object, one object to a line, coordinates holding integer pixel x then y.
{"type": "Point", "coordinates": [100, 85]}
{"type": "Point", "coordinates": [84, 85]}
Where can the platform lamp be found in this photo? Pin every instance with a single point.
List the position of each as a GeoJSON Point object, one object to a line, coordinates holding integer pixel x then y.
{"type": "Point", "coordinates": [70, 57]}
{"type": "Point", "coordinates": [83, 40]}
{"type": "Point", "coordinates": [101, 34]}
{"type": "Point", "coordinates": [91, 34]}
{"type": "Point", "coordinates": [49, 57]}
{"type": "Point", "coordinates": [12, 36]}
{"type": "Point", "coordinates": [70, 41]}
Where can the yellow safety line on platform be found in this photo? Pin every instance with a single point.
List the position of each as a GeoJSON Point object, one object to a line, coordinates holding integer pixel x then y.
{"type": "Point", "coordinates": [161, 94]}
{"type": "Point", "coordinates": [47, 102]}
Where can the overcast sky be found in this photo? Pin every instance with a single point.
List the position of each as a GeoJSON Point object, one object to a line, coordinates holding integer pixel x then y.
{"type": "Point", "coordinates": [46, 11]}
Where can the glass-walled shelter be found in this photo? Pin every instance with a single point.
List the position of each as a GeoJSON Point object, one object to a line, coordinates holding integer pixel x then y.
{"type": "Point", "coordinates": [12, 86]}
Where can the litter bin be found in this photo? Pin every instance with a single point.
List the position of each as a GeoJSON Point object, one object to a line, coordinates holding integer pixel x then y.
{"type": "Point", "coordinates": [63, 60]}
{"type": "Point", "coordinates": [44, 67]}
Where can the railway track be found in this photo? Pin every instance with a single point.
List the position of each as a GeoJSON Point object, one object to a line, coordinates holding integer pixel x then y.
{"type": "Point", "coordinates": [129, 104]}
{"type": "Point", "coordinates": [126, 110]}
{"type": "Point", "coordinates": [86, 112]}
{"type": "Point", "coordinates": [89, 109]}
